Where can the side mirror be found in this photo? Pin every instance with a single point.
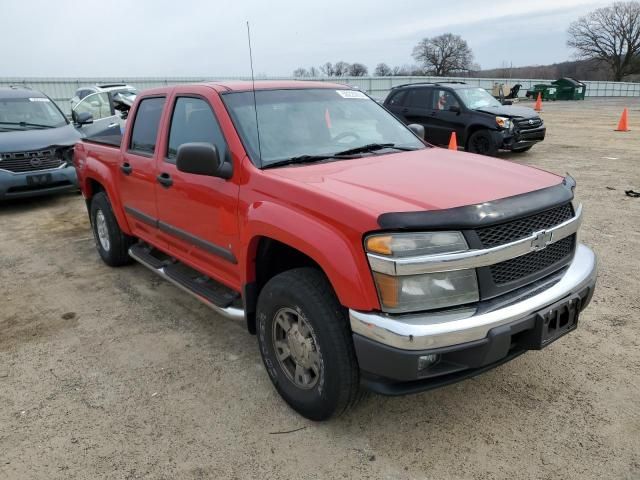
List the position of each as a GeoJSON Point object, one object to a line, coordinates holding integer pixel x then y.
{"type": "Point", "coordinates": [454, 109]}
{"type": "Point", "coordinates": [507, 102]}
{"type": "Point", "coordinates": [82, 118]}
{"type": "Point", "coordinates": [201, 158]}
{"type": "Point", "coordinates": [417, 129]}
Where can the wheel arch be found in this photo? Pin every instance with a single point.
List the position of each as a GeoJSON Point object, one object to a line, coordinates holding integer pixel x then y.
{"type": "Point", "coordinates": [268, 253]}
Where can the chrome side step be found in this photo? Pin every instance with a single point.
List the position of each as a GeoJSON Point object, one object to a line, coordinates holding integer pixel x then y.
{"type": "Point", "coordinates": [219, 301]}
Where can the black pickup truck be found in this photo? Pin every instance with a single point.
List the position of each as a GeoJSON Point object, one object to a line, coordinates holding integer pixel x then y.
{"type": "Point", "coordinates": [482, 124]}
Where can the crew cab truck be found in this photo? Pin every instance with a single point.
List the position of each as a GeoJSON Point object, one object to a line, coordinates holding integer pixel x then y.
{"type": "Point", "coordinates": [362, 257]}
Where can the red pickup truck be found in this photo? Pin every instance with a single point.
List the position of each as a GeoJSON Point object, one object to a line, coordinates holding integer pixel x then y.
{"type": "Point", "coordinates": [363, 258]}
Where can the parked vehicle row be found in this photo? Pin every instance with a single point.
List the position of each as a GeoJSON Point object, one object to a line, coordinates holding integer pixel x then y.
{"type": "Point", "coordinates": [360, 256]}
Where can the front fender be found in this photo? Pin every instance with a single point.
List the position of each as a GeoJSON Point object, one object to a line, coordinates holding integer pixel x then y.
{"type": "Point", "coordinates": [95, 171]}
{"type": "Point", "coordinates": [337, 250]}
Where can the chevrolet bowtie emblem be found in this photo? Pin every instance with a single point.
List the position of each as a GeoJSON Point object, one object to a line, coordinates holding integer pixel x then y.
{"type": "Point", "coordinates": [542, 240]}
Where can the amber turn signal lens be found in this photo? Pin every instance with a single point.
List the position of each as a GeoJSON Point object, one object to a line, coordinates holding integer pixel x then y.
{"type": "Point", "coordinates": [379, 244]}
{"type": "Point", "coordinates": [388, 289]}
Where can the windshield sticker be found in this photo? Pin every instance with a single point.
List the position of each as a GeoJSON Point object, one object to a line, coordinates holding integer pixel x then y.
{"type": "Point", "coordinates": [351, 94]}
{"type": "Point", "coordinates": [39, 99]}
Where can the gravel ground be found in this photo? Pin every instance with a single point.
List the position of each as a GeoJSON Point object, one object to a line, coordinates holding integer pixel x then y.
{"type": "Point", "coordinates": [113, 373]}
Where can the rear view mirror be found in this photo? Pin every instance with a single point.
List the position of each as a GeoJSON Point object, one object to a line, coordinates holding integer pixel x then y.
{"type": "Point", "coordinates": [417, 129]}
{"type": "Point", "coordinates": [82, 118]}
{"type": "Point", "coordinates": [454, 109]}
{"type": "Point", "coordinates": [201, 158]}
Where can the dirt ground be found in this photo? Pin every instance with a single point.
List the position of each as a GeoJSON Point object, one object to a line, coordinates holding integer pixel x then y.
{"type": "Point", "coordinates": [113, 373]}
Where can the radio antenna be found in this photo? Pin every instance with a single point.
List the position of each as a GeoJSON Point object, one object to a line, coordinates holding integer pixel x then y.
{"type": "Point", "coordinates": [253, 88]}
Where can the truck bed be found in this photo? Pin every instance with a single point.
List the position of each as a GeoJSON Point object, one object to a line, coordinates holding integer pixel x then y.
{"type": "Point", "coordinates": [112, 140]}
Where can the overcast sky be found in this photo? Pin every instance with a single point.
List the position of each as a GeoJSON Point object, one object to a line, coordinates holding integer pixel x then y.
{"type": "Point", "coordinates": [197, 38]}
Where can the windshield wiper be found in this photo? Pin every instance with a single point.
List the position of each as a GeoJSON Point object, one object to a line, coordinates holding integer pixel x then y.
{"type": "Point", "coordinates": [26, 124]}
{"type": "Point", "coordinates": [370, 147]}
{"type": "Point", "coordinates": [304, 159]}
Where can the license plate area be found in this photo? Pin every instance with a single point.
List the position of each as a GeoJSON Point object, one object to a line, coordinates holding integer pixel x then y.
{"type": "Point", "coordinates": [552, 323]}
{"type": "Point", "coordinates": [37, 180]}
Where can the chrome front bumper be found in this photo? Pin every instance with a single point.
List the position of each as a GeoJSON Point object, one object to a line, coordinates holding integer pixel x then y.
{"type": "Point", "coordinates": [455, 326]}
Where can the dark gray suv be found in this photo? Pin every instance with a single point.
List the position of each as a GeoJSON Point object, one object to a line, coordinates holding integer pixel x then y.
{"type": "Point", "coordinates": [36, 145]}
{"type": "Point", "coordinates": [482, 124]}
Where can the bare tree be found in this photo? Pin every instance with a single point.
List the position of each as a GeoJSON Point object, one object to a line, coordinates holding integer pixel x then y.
{"type": "Point", "coordinates": [340, 69]}
{"type": "Point", "coordinates": [358, 70]}
{"type": "Point", "coordinates": [314, 72]}
{"type": "Point", "coordinates": [327, 69]}
{"type": "Point", "coordinates": [300, 72]}
{"type": "Point", "coordinates": [383, 70]}
{"type": "Point", "coordinates": [611, 35]}
{"type": "Point", "coordinates": [444, 54]}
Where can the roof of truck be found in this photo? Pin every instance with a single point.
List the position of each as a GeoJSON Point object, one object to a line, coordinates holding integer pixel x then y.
{"type": "Point", "coordinates": [245, 86]}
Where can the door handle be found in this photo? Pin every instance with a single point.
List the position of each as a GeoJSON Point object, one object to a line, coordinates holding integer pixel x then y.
{"type": "Point", "coordinates": [126, 168]}
{"type": "Point", "coordinates": [164, 179]}
{"type": "Point", "coordinates": [112, 125]}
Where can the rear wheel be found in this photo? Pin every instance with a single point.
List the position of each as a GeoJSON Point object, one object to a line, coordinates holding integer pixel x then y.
{"type": "Point", "coordinates": [306, 344]}
{"type": "Point", "coordinates": [481, 141]}
{"type": "Point", "coordinates": [112, 243]}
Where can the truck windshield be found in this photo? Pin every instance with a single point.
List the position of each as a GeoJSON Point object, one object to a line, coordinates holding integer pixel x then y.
{"type": "Point", "coordinates": [29, 113]}
{"type": "Point", "coordinates": [475, 98]}
{"type": "Point", "coordinates": [314, 123]}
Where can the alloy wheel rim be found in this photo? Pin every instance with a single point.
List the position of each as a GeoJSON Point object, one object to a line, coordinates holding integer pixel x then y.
{"type": "Point", "coordinates": [103, 232]}
{"type": "Point", "coordinates": [296, 348]}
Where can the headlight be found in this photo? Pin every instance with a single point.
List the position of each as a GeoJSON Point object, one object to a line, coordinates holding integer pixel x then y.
{"type": "Point", "coordinates": [503, 122]}
{"type": "Point", "coordinates": [414, 244]}
{"type": "Point", "coordinates": [407, 293]}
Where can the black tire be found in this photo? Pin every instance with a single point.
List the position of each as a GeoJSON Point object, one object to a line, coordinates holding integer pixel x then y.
{"type": "Point", "coordinates": [522, 150]}
{"type": "Point", "coordinates": [116, 252]}
{"type": "Point", "coordinates": [481, 142]}
{"type": "Point", "coordinates": [308, 293]}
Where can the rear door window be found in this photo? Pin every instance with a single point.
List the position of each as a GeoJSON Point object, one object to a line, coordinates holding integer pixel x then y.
{"type": "Point", "coordinates": [398, 98]}
{"type": "Point", "coordinates": [145, 126]}
{"type": "Point", "coordinates": [419, 98]}
{"type": "Point", "coordinates": [193, 120]}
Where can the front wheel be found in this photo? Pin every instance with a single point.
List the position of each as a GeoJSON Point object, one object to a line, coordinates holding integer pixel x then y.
{"type": "Point", "coordinates": [306, 344]}
{"type": "Point", "coordinates": [481, 141]}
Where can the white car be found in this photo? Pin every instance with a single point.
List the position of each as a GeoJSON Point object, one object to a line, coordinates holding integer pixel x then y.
{"type": "Point", "coordinates": [107, 104]}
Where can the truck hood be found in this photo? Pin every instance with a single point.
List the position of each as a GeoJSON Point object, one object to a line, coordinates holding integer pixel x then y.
{"type": "Point", "coordinates": [428, 179]}
{"type": "Point", "coordinates": [38, 139]}
{"type": "Point", "coordinates": [510, 111]}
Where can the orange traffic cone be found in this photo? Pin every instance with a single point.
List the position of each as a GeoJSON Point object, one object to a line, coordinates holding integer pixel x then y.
{"type": "Point", "coordinates": [538, 107]}
{"type": "Point", "coordinates": [453, 142]}
{"type": "Point", "coordinates": [623, 124]}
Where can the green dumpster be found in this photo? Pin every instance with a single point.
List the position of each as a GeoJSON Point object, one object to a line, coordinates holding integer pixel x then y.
{"type": "Point", "coordinates": [569, 89]}
{"type": "Point", "coordinates": [547, 91]}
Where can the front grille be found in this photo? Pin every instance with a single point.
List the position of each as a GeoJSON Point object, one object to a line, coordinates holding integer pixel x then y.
{"type": "Point", "coordinates": [523, 227]}
{"type": "Point", "coordinates": [527, 124]}
{"type": "Point", "coordinates": [520, 267]}
{"type": "Point", "coordinates": [20, 162]}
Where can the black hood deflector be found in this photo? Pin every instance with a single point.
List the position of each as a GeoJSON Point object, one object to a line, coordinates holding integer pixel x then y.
{"type": "Point", "coordinates": [483, 214]}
